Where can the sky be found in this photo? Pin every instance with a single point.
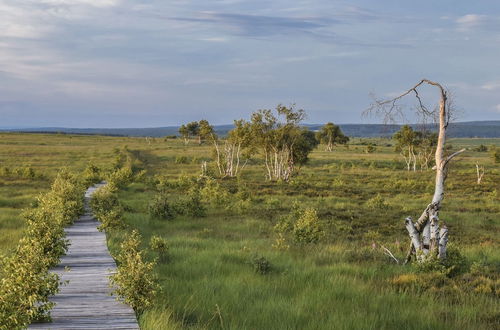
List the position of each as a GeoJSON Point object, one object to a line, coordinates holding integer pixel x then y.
{"type": "Point", "coordinates": [131, 63]}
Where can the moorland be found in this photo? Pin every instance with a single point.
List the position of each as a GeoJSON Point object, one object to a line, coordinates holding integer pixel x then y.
{"type": "Point", "coordinates": [237, 256]}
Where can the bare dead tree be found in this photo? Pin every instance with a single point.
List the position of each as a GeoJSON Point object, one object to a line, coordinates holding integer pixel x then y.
{"type": "Point", "coordinates": [480, 173]}
{"type": "Point", "coordinates": [427, 237]}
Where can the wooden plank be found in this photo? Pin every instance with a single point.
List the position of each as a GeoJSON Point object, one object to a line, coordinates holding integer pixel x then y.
{"type": "Point", "coordinates": [85, 302]}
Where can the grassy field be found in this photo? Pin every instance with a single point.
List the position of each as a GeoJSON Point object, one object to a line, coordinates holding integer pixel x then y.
{"type": "Point", "coordinates": [209, 279]}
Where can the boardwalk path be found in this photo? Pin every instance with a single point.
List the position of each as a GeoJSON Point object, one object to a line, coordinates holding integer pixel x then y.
{"type": "Point", "coordinates": [85, 303]}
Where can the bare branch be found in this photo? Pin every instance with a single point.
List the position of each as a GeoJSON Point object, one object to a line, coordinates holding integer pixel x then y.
{"type": "Point", "coordinates": [387, 252]}
{"type": "Point", "coordinates": [450, 157]}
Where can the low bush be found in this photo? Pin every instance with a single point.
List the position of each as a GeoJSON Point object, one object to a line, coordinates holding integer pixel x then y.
{"type": "Point", "coordinates": [107, 209]}
{"type": "Point", "coordinates": [135, 280]}
{"type": "Point", "coordinates": [377, 203]}
{"type": "Point", "coordinates": [91, 175]}
{"type": "Point", "coordinates": [121, 177]}
{"type": "Point", "coordinates": [159, 245]}
{"type": "Point", "coordinates": [213, 193]}
{"type": "Point", "coordinates": [181, 160]}
{"type": "Point", "coordinates": [261, 265]}
{"type": "Point", "coordinates": [193, 205]}
{"type": "Point", "coordinates": [307, 229]}
{"type": "Point", "coordinates": [26, 282]}
{"type": "Point", "coordinates": [302, 224]}
{"type": "Point", "coordinates": [160, 208]}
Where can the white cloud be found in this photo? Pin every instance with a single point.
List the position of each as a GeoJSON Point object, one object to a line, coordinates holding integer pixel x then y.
{"type": "Point", "coordinates": [93, 3]}
{"type": "Point", "coordinates": [497, 108]}
{"type": "Point", "coordinates": [491, 86]}
{"type": "Point", "coordinates": [470, 21]}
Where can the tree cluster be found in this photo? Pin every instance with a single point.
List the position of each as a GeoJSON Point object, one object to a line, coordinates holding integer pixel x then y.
{"type": "Point", "coordinates": [276, 135]}
{"type": "Point", "coordinates": [416, 147]}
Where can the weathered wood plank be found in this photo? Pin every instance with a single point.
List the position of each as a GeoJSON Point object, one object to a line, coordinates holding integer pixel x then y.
{"type": "Point", "coordinates": [85, 301]}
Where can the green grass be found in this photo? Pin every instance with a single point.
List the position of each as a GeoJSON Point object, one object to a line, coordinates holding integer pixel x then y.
{"type": "Point", "coordinates": [208, 280]}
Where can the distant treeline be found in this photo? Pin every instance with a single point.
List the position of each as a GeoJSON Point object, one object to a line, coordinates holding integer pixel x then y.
{"type": "Point", "coordinates": [483, 129]}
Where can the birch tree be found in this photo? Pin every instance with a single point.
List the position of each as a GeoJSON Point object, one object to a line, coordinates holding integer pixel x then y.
{"type": "Point", "coordinates": [184, 132]}
{"type": "Point", "coordinates": [331, 135]}
{"type": "Point", "coordinates": [232, 153]}
{"type": "Point", "coordinates": [281, 141]}
{"type": "Point", "coordinates": [407, 142]}
{"type": "Point", "coordinates": [428, 238]}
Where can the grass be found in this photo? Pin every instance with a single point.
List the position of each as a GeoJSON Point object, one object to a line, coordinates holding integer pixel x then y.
{"type": "Point", "coordinates": [208, 280]}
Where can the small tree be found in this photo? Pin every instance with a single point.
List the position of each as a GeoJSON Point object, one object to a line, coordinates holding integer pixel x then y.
{"type": "Point", "coordinates": [428, 241]}
{"type": "Point", "coordinates": [280, 140]}
{"type": "Point", "coordinates": [427, 148]}
{"type": "Point", "coordinates": [184, 131]}
{"type": "Point", "coordinates": [136, 284]}
{"type": "Point", "coordinates": [331, 135]}
{"type": "Point", "coordinates": [407, 141]}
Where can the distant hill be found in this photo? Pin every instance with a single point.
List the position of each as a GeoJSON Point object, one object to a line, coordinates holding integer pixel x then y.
{"type": "Point", "coordinates": [484, 129]}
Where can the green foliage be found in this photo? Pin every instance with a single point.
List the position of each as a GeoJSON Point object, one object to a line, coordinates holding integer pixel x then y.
{"type": "Point", "coordinates": [26, 172]}
{"type": "Point", "coordinates": [135, 280]}
{"type": "Point", "coordinates": [159, 245]}
{"type": "Point", "coordinates": [160, 207]}
{"type": "Point", "coordinates": [377, 203]}
{"type": "Point", "coordinates": [213, 193]}
{"type": "Point", "coordinates": [107, 209]}
{"type": "Point", "coordinates": [371, 148]}
{"type": "Point", "coordinates": [181, 160]}
{"type": "Point", "coordinates": [481, 148]}
{"type": "Point", "coordinates": [331, 135]}
{"type": "Point", "coordinates": [307, 229]}
{"type": "Point", "coordinates": [454, 264]}
{"type": "Point", "coordinates": [91, 175]}
{"type": "Point", "coordinates": [192, 205]}
{"type": "Point", "coordinates": [281, 140]}
{"type": "Point", "coordinates": [261, 265]}
{"type": "Point", "coordinates": [26, 282]}
{"type": "Point", "coordinates": [495, 155]}
{"type": "Point", "coordinates": [121, 177]}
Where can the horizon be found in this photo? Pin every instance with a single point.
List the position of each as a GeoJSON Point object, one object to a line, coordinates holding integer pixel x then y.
{"type": "Point", "coordinates": [227, 124]}
{"type": "Point", "coordinates": [124, 63]}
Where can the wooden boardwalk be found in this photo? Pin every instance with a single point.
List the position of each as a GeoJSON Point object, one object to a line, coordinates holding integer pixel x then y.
{"type": "Point", "coordinates": [85, 301]}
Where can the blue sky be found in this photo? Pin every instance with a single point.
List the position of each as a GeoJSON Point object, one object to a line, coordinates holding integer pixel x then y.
{"type": "Point", "coordinates": [130, 63]}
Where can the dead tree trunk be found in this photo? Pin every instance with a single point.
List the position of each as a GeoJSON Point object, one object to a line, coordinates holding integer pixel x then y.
{"type": "Point", "coordinates": [427, 238]}
{"type": "Point", "coordinates": [480, 173]}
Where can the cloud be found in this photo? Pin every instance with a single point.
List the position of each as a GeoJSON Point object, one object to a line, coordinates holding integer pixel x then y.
{"type": "Point", "coordinates": [258, 25]}
{"type": "Point", "coordinates": [93, 3]}
{"type": "Point", "coordinates": [470, 22]}
{"type": "Point", "coordinates": [491, 86]}
{"type": "Point", "coordinates": [497, 108]}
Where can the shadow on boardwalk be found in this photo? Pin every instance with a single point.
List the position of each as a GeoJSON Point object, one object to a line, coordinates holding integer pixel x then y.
{"type": "Point", "coordinates": [85, 301]}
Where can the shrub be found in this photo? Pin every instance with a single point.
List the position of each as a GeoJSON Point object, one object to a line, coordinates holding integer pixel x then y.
{"type": "Point", "coordinates": [25, 280]}
{"type": "Point", "coordinates": [307, 229]}
{"type": "Point", "coordinates": [193, 206]}
{"type": "Point", "coordinates": [121, 177]}
{"type": "Point", "coordinates": [481, 148]}
{"type": "Point", "coordinates": [454, 264]}
{"type": "Point", "coordinates": [107, 209]}
{"type": "Point", "coordinates": [377, 203]}
{"type": "Point", "coordinates": [160, 208]}
{"type": "Point", "coordinates": [261, 265]}
{"type": "Point", "coordinates": [113, 219]}
{"type": "Point", "coordinates": [214, 194]}
{"type": "Point", "coordinates": [370, 148]}
{"type": "Point", "coordinates": [135, 281]}
{"type": "Point", "coordinates": [103, 200]}
{"type": "Point", "coordinates": [495, 155]}
{"type": "Point", "coordinates": [280, 243]}
{"type": "Point", "coordinates": [91, 174]}
{"type": "Point", "coordinates": [159, 245]}
{"type": "Point", "coordinates": [181, 160]}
